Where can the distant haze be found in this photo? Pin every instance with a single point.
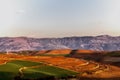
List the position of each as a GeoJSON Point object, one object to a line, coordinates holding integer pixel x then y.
{"type": "Point", "coordinates": [99, 43]}
{"type": "Point", "coordinates": [59, 18]}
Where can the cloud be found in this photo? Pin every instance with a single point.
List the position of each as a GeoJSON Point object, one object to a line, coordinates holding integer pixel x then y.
{"type": "Point", "coordinates": [21, 11]}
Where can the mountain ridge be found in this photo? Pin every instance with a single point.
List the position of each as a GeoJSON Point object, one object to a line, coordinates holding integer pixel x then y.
{"type": "Point", "coordinates": [98, 43]}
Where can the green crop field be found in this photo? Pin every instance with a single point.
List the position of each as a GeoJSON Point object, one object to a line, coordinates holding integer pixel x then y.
{"type": "Point", "coordinates": [11, 69]}
{"type": "Point", "coordinates": [47, 70]}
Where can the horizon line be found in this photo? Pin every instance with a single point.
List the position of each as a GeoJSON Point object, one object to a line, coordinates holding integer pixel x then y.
{"type": "Point", "coordinates": [59, 37]}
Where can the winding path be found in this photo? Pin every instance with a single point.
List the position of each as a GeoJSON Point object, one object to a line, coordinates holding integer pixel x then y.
{"type": "Point", "coordinates": [24, 68]}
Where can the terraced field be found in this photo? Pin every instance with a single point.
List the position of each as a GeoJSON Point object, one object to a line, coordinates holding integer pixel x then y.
{"type": "Point", "coordinates": [28, 70]}
{"type": "Point", "coordinates": [77, 65]}
{"type": "Point", "coordinates": [52, 66]}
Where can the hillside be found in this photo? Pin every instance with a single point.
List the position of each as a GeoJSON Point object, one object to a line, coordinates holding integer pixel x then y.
{"type": "Point", "coordinates": [22, 70]}
{"type": "Point", "coordinates": [21, 67]}
{"type": "Point", "coordinates": [99, 43]}
{"type": "Point", "coordinates": [55, 52]}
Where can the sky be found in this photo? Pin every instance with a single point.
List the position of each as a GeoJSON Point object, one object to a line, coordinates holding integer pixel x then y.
{"type": "Point", "coordinates": [59, 18]}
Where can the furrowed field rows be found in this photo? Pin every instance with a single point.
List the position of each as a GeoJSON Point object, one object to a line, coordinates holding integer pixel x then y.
{"type": "Point", "coordinates": [79, 66]}
{"type": "Point", "coordinates": [26, 69]}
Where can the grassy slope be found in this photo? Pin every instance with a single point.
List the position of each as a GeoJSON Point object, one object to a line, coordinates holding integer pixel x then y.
{"type": "Point", "coordinates": [48, 70]}
{"type": "Point", "coordinates": [11, 69]}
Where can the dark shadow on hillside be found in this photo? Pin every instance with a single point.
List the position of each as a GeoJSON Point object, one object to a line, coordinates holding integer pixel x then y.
{"type": "Point", "coordinates": [13, 76]}
{"type": "Point", "coordinates": [92, 56]}
{"type": "Point", "coordinates": [96, 56]}
{"type": "Point", "coordinates": [16, 76]}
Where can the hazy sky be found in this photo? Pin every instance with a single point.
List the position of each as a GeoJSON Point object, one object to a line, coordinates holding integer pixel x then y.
{"type": "Point", "coordinates": [59, 18]}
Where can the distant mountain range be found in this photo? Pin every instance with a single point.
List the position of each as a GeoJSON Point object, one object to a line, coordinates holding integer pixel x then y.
{"type": "Point", "coordinates": [99, 43]}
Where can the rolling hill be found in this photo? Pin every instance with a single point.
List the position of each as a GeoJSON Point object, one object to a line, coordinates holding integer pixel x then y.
{"type": "Point", "coordinates": [24, 67]}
